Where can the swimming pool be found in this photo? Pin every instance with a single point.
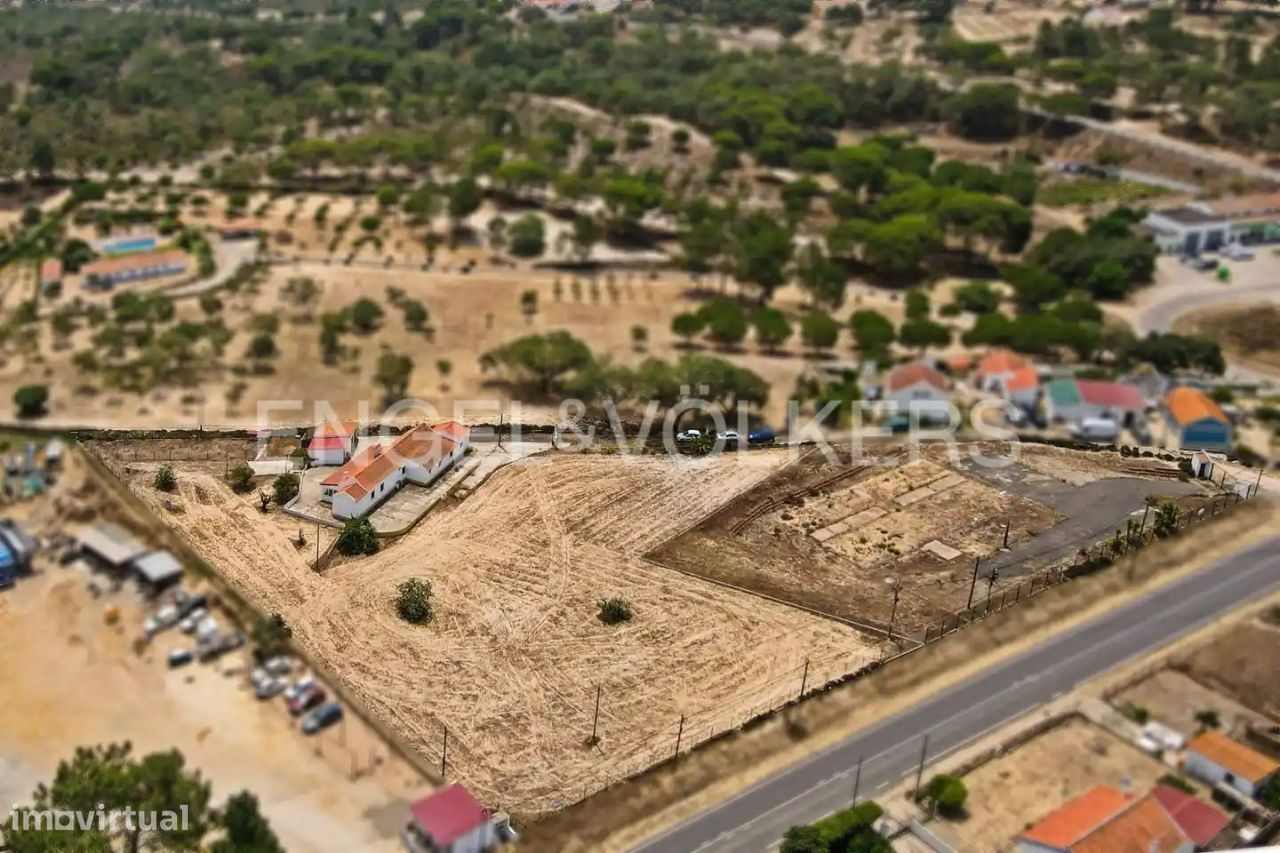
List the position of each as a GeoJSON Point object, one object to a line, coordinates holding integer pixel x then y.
{"type": "Point", "coordinates": [127, 245]}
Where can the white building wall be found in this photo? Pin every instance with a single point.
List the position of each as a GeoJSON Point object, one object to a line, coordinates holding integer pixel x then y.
{"type": "Point", "coordinates": [479, 839]}
{"type": "Point", "coordinates": [1201, 767]}
{"type": "Point", "coordinates": [920, 391]}
{"type": "Point", "coordinates": [327, 456]}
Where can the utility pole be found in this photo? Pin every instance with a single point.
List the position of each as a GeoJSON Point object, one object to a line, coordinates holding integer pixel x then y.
{"type": "Point", "coordinates": [317, 546]}
{"type": "Point", "coordinates": [679, 735]}
{"type": "Point", "coordinates": [991, 582]}
{"type": "Point", "coordinates": [924, 750]}
{"type": "Point", "coordinates": [857, 780]}
{"type": "Point", "coordinates": [596, 718]}
{"type": "Point", "coordinates": [444, 752]}
{"type": "Point", "coordinates": [804, 679]}
{"type": "Point", "coordinates": [1257, 485]}
{"type": "Point", "coordinates": [1145, 512]}
{"type": "Point", "coordinates": [1006, 534]}
{"type": "Point", "coordinates": [897, 590]}
{"type": "Point", "coordinates": [973, 582]}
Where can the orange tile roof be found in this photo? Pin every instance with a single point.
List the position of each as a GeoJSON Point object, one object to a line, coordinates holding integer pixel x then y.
{"type": "Point", "coordinates": [1075, 820]}
{"type": "Point", "coordinates": [1000, 361]}
{"type": "Point", "coordinates": [1023, 379]}
{"type": "Point", "coordinates": [960, 363]}
{"type": "Point", "coordinates": [1188, 405]}
{"type": "Point", "coordinates": [339, 429]}
{"type": "Point", "coordinates": [51, 269]}
{"type": "Point", "coordinates": [1234, 757]}
{"type": "Point", "coordinates": [422, 444]}
{"type": "Point", "coordinates": [909, 374]}
{"type": "Point", "coordinates": [109, 266]}
{"type": "Point", "coordinates": [1144, 827]}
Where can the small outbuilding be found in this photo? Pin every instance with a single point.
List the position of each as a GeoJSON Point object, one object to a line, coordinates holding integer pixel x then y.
{"type": "Point", "coordinates": [110, 546]}
{"type": "Point", "coordinates": [1195, 422]}
{"type": "Point", "coordinates": [157, 570]}
{"type": "Point", "coordinates": [331, 443]}
{"type": "Point", "coordinates": [1217, 759]}
{"type": "Point", "coordinates": [917, 384]}
{"type": "Point", "coordinates": [449, 821]}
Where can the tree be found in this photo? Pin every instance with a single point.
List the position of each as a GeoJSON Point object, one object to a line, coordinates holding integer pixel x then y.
{"type": "Point", "coordinates": [43, 159]}
{"type": "Point", "coordinates": [586, 233]}
{"type": "Point", "coordinates": [247, 831]}
{"type": "Point", "coordinates": [763, 250]}
{"type": "Point", "coordinates": [31, 400]}
{"type": "Point", "coordinates": [946, 794]}
{"type": "Point", "coordinates": [819, 331]}
{"type": "Point", "coordinates": [924, 334]}
{"type": "Point", "coordinates": [444, 367]}
{"type": "Point", "coordinates": [1208, 719]}
{"type": "Point", "coordinates": [464, 199]}
{"type": "Point", "coordinates": [165, 480]}
{"type": "Point", "coordinates": [772, 328]}
{"type": "Point", "coordinates": [542, 360]}
{"type": "Point", "coordinates": [688, 326]}
{"type": "Point", "coordinates": [270, 636]}
{"type": "Point", "coordinates": [726, 324]}
{"type": "Point", "coordinates": [262, 347]}
{"type": "Point", "coordinates": [823, 278]}
{"type": "Point", "coordinates": [241, 476]}
{"type": "Point", "coordinates": [365, 314]}
{"type": "Point", "coordinates": [393, 373]}
{"type": "Point", "coordinates": [285, 487]}
{"type": "Point", "coordinates": [413, 601]}
{"type": "Point", "coordinates": [977, 297]}
{"type": "Point", "coordinates": [357, 537]}
{"type": "Point", "coordinates": [805, 839]}
{"type": "Point", "coordinates": [986, 111]}
{"type": "Point", "coordinates": [916, 304]}
{"type": "Point", "coordinates": [639, 337]}
{"type": "Point", "coordinates": [873, 333]}
{"type": "Point", "coordinates": [614, 611]}
{"type": "Point", "coordinates": [1166, 520]}
{"type": "Point", "coordinates": [528, 236]}
{"type": "Point", "coordinates": [415, 315]}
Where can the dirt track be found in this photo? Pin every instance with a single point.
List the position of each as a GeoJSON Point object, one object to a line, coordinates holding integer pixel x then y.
{"type": "Point", "coordinates": [512, 662]}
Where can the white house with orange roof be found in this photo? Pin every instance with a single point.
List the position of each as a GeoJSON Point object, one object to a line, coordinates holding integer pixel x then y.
{"type": "Point", "coordinates": [420, 456]}
{"type": "Point", "coordinates": [917, 384]}
{"type": "Point", "coordinates": [995, 367]}
{"type": "Point", "coordinates": [332, 443]}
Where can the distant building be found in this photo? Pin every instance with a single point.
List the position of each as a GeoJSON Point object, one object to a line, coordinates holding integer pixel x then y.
{"type": "Point", "coordinates": [17, 549]}
{"type": "Point", "coordinates": [1022, 387]}
{"type": "Point", "coordinates": [449, 821]}
{"type": "Point", "coordinates": [157, 570]}
{"type": "Point", "coordinates": [419, 456]}
{"type": "Point", "coordinates": [332, 443]}
{"type": "Point", "coordinates": [1195, 422]}
{"type": "Point", "coordinates": [1076, 400]}
{"type": "Point", "coordinates": [112, 271]}
{"type": "Point", "coordinates": [995, 367]}
{"type": "Point", "coordinates": [1187, 230]}
{"type": "Point", "coordinates": [917, 385]}
{"type": "Point", "coordinates": [1106, 820]}
{"type": "Point", "coordinates": [50, 272]}
{"type": "Point", "coordinates": [240, 229]}
{"type": "Point", "coordinates": [110, 546]}
{"type": "Point", "coordinates": [1219, 760]}
{"type": "Point", "coordinates": [1253, 218]}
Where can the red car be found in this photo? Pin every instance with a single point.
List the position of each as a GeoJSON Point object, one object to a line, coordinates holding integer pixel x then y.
{"type": "Point", "coordinates": [306, 700]}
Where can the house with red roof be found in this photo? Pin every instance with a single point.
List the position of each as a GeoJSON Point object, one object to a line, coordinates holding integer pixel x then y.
{"type": "Point", "coordinates": [449, 821]}
{"type": "Point", "coordinates": [916, 383]}
{"type": "Point", "coordinates": [1076, 400]}
{"type": "Point", "coordinates": [50, 272]}
{"type": "Point", "coordinates": [332, 443]}
{"type": "Point", "coordinates": [1106, 820]}
{"type": "Point", "coordinates": [1021, 387]}
{"type": "Point", "coordinates": [995, 367]}
{"type": "Point", "coordinates": [419, 456]}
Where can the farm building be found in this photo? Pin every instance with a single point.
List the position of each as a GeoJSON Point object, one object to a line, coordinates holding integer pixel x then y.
{"type": "Point", "coordinates": [1075, 400]}
{"type": "Point", "coordinates": [1195, 422]}
{"type": "Point", "coordinates": [917, 385]}
{"type": "Point", "coordinates": [112, 271]}
{"type": "Point", "coordinates": [50, 272]}
{"type": "Point", "coordinates": [449, 821]}
{"type": "Point", "coordinates": [332, 443]}
{"type": "Point", "coordinates": [996, 367]}
{"type": "Point", "coordinates": [240, 229]}
{"type": "Point", "coordinates": [374, 474]}
{"type": "Point", "coordinates": [16, 550]}
{"type": "Point", "coordinates": [110, 546]}
{"type": "Point", "coordinates": [1219, 760]}
{"type": "Point", "coordinates": [1106, 820]}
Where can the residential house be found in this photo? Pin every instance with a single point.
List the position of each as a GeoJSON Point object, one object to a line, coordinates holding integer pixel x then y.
{"type": "Point", "coordinates": [1075, 400]}
{"type": "Point", "coordinates": [1106, 820]}
{"type": "Point", "coordinates": [50, 272]}
{"type": "Point", "coordinates": [995, 367]}
{"type": "Point", "coordinates": [449, 821]}
{"type": "Point", "coordinates": [332, 443]}
{"type": "Point", "coordinates": [1022, 387]}
{"type": "Point", "coordinates": [419, 456]}
{"type": "Point", "coordinates": [917, 386]}
{"type": "Point", "coordinates": [1195, 422]}
{"type": "Point", "coordinates": [112, 271]}
{"type": "Point", "coordinates": [1219, 760]}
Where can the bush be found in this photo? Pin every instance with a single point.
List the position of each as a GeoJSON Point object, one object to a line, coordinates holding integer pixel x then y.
{"type": "Point", "coordinates": [241, 477]}
{"type": "Point", "coordinates": [1173, 780]}
{"type": "Point", "coordinates": [1137, 713]}
{"type": "Point", "coordinates": [166, 480]}
{"type": "Point", "coordinates": [614, 611]}
{"type": "Point", "coordinates": [31, 400]}
{"type": "Point", "coordinates": [946, 794]}
{"type": "Point", "coordinates": [270, 636]}
{"type": "Point", "coordinates": [286, 488]}
{"type": "Point", "coordinates": [357, 537]}
{"type": "Point", "coordinates": [413, 601]}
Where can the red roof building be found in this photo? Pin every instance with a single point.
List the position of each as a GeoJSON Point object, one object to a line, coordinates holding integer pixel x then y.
{"type": "Point", "coordinates": [450, 821]}
{"type": "Point", "coordinates": [998, 363]}
{"type": "Point", "coordinates": [908, 375]}
{"type": "Point", "coordinates": [1198, 820]}
{"type": "Point", "coordinates": [419, 456]}
{"type": "Point", "coordinates": [1105, 820]}
{"type": "Point", "coordinates": [1062, 828]}
{"type": "Point", "coordinates": [1110, 395]}
{"type": "Point", "coordinates": [51, 271]}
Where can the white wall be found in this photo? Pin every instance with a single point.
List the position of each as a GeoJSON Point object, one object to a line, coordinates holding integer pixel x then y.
{"type": "Point", "coordinates": [327, 456]}
{"type": "Point", "coordinates": [1202, 768]}
{"type": "Point", "coordinates": [920, 391]}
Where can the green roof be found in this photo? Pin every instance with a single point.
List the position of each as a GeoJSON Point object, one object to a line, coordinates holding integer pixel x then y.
{"type": "Point", "coordinates": [1063, 392]}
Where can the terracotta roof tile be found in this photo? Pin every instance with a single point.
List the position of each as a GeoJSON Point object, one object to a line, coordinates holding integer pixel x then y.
{"type": "Point", "coordinates": [910, 374]}
{"type": "Point", "coordinates": [1076, 819]}
{"type": "Point", "coordinates": [1143, 827]}
{"type": "Point", "coordinates": [422, 445]}
{"type": "Point", "coordinates": [1199, 821]}
{"type": "Point", "coordinates": [111, 266]}
{"type": "Point", "coordinates": [1000, 361]}
{"type": "Point", "coordinates": [1023, 379]}
{"type": "Point", "coordinates": [1188, 405]}
{"type": "Point", "coordinates": [1235, 757]}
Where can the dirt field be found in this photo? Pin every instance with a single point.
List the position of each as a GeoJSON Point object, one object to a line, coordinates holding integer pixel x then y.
{"type": "Point", "coordinates": [1012, 792]}
{"type": "Point", "coordinates": [1241, 664]}
{"type": "Point", "coordinates": [512, 663]}
{"type": "Point", "coordinates": [1248, 333]}
{"type": "Point", "coordinates": [1174, 698]}
{"type": "Point", "coordinates": [58, 644]}
{"type": "Point", "coordinates": [833, 537]}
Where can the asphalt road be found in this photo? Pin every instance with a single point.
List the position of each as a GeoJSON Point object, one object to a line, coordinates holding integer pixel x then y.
{"type": "Point", "coordinates": [757, 819]}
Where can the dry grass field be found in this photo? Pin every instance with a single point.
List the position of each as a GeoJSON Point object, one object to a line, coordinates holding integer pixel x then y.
{"type": "Point", "coordinates": [513, 660]}
{"type": "Point", "coordinates": [1241, 664]}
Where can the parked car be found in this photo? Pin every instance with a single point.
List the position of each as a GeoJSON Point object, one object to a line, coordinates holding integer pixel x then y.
{"type": "Point", "coordinates": [272, 686]}
{"type": "Point", "coordinates": [298, 687]}
{"type": "Point", "coordinates": [187, 604]}
{"type": "Point", "coordinates": [1237, 252]}
{"type": "Point", "coordinates": [206, 628]}
{"type": "Point", "coordinates": [1096, 429]}
{"type": "Point", "coordinates": [191, 620]}
{"type": "Point", "coordinates": [321, 718]}
{"type": "Point", "coordinates": [279, 665]}
{"type": "Point", "coordinates": [689, 435]}
{"type": "Point", "coordinates": [729, 437]}
{"type": "Point", "coordinates": [216, 646]}
{"type": "Point", "coordinates": [165, 617]}
{"type": "Point", "coordinates": [180, 657]}
{"type": "Point", "coordinates": [764, 435]}
{"type": "Point", "coordinates": [1204, 264]}
{"type": "Point", "coordinates": [306, 700]}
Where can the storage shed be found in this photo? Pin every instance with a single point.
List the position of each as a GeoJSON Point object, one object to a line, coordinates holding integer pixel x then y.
{"type": "Point", "coordinates": [157, 570]}
{"type": "Point", "coordinates": [110, 545]}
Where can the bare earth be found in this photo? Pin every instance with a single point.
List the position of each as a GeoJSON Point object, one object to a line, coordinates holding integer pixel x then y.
{"type": "Point", "coordinates": [513, 660]}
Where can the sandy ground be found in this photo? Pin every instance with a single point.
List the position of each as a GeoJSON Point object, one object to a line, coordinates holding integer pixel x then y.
{"type": "Point", "coordinates": [1174, 699]}
{"type": "Point", "coordinates": [1079, 469]}
{"type": "Point", "coordinates": [1242, 664]}
{"type": "Point", "coordinates": [1012, 792]}
{"type": "Point", "coordinates": [341, 790]}
{"type": "Point", "coordinates": [512, 663]}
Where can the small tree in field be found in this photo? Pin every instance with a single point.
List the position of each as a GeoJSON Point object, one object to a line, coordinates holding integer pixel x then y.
{"type": "Point", "coordinates": [614, 611]}
{"type": "Point", "coordinates": [413, 601]}
{"type": "Point", "coordinates": [444, 367]}
{"type": "Point", "coordinates": [947, 794]}
{"type": "Point", "coordinates": [357, 537]}
{"type": "Point", "coordinates": [241, 477]}
{"type": "Point", "coordinates": [639, 337]}
{"type": "Point", "coordinates": [166, 480]}
{"type": "Point", "coordinates": [285, 487]}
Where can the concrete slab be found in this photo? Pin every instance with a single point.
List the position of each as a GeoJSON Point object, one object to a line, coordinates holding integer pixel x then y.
{"type": "Point", "coordinates": [914, 496]}
{"type": "Point", "coordinates": [938, 549]}
{"type": "Point", "coordinates": [822, 535]}
{"type": "Point", "coordinates": [950, 481]}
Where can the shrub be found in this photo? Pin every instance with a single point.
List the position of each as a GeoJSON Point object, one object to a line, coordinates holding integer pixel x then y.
{"type": "Point", "coordinates": [241, 476]}
{"type": "Point", "coordinates": [947, 794]}
{"type": "Point", "coordinates": [1137, 713]}
{"type": "Point", "coordinates": [286, 488]}
{"type": "Point", "coordinates": [413, 601]}
{"type": "Point", "coordinates": [31, 400]}
{"type": "Point", "coordinates": [357, 537]}
{"type": "Point", "coordinates": [1173, 780]}
{"type": "Point", "coordinates": [614, 611]}
{"type": "Point", "coordinates": [270, 636]}
{"type": "Point", "coordinates": [166, 480]}
{"type": "Point", "coordinates": [1208, 719]}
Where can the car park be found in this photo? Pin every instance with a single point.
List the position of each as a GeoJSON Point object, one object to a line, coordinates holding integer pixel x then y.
{"type": "Point", "coordinates": [321, 718]}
